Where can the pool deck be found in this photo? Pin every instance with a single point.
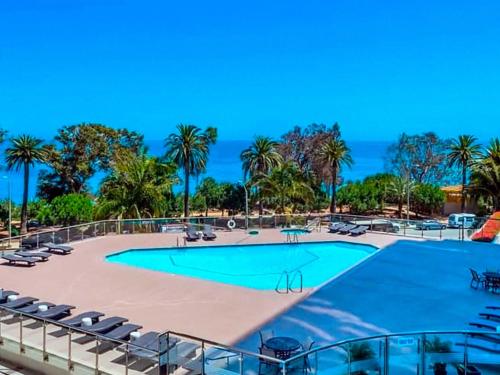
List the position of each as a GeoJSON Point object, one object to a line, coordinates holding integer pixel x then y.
{"type": "Point", "coordinates": [157, 300]}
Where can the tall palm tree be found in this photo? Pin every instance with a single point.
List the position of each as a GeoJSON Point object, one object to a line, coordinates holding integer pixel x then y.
{"type": "Point", "coordinates": [336, 155]}
{"type": "Point", "coordinates": [463, 152]}
{"type": "Point", "coordinates": [259, 159]}
{"type": "Point", "coordinates": [24, 152]}
{"type": "Point", "coordinates": [493, 150]}
{"type": "Point", "coordinates": [189, 149]}
{"type": "Point", "coordinates": [138, 186]}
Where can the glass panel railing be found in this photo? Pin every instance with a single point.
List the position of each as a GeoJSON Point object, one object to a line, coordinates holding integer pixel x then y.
{"type": "Point", "coordinates": [181, 352]}
{"type": "Point", "coordinates": [404, 354]}
{"type": "Point", "coordinates": [482, 354]}
{"type": "Point", "coordinates": [220, 360]}
{"type": "Point", "coordinates": [441, 353]}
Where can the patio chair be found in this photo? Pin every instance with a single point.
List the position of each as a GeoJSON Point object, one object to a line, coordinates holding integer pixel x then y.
{"type": "Point", "coordinates": [105, 325]}
{"type": "Point", "coordinates": [21, 302]}
{"type": "Point", "coordinates": [42, 256]}
{"type": "Point", "coordinates": [488, 324]}
{"type": "Point", "coordinates": [16, 259]}
{"type": "Point", "coordinates": [267, 364]}
{"type": "Point", "coordinates": [57, 248]}
{"type": "Point", "coordinates": [191, 234]}
{"type": "Point", "coordinates": [477, 280]}
{"type": "Point", "coordinates": [31, 309]}
{"type": "Point", "coordinates": [265, 335]}
{"type": "Point", "coordinates": [490, 315]}
{"type": "Point", "coordinates": [307, 345]}
{"type": "Point", "coordinates": [359, 230]}
{"type": "Point", "coordinates": [347, 228]}
{"type": "Point", "coordinates": [334, 227]}
{"type": "Point", "coordinates": [4, 294]}
{"type": "Point", "coordinates": [76, 321]}
{"type": "Point", "coordinates": [208, 234]}
{"type": "Point", "coordinates": [122, 332]}
{"type": "Point", "coordinates": [481, 344]}
{"type": "Point", "coordinates": [55, 312]}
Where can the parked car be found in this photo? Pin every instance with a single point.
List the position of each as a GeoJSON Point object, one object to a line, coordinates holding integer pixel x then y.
{"type": "Point", "coordinates": [430, 225]}
{"type": "Point", "coordinates": [461, 220]}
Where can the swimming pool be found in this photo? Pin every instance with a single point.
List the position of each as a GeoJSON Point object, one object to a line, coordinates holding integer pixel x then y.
{"type": "Point", "coordinates": [251, 266]}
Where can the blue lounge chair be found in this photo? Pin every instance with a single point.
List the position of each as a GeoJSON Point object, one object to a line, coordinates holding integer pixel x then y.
{"type": "Point", "coordinates": [55, 312]}
{"type": "Point", "coordinates": [16, 259]}
{"type": "Point", "coordinates": [31, 309]}
{"type": "Point", "coordinates": [57, 248]}
{"type": "Point", "coordinates": [40, 255]}
{"type": "Point", "coordinates": [4, 294]}
{"type": "Point", "coordinates": [105, 325]}
{"type": "Point", "coordinates": [334, 227]}
{"type": "Point", "coordinates": [21, 302]}
{"type": "Point", "coordinates": [347, 228]}
{"type": "Point", "coordinates": [122, 332]}
{"type": "Point", "coordinates": [359, 230]}
{"type": "Point", "coordinates": [76, 321]}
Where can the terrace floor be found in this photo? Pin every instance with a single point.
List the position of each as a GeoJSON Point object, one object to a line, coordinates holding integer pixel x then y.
{"type": "Point", "coordinates": [156, 300]}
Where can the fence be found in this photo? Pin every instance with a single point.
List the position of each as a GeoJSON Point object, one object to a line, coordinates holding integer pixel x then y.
{"type": "Point", "coordinates": [55, 345]}
{"type": "Point", "coordinates": [407, 228]}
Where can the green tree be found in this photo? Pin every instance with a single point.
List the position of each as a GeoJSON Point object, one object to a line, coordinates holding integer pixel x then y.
{"type": "Point", "coordinates": [463, 153]}
{"type": "Point", "coordinates": [259, 159]}
{"type": "Point", "coordinates": [493, 150]}
{"type": "Point", "coordinates": [212, 192]}
{"type": "Point", "coordinates": [285, 184]}
{"type": "Point", "coordinates": [336, 155]}
{"type": "Point", "coordinates": [189, 149]}
{"type": "Point", "coordinates": [233, 198]}
{"type": "Point", "coordinates": [71, 209]}
{"type": "Point", "coordinates": [485, 181]}
{"type": "Point", "coordinates": [428, 198]}
{"type": "Point", "coordinates": [139, 186]}
{"type": "Point", "coordinates": [79, 152]}
{"type": "Point", "coordinates": [398, 190]}
{"type": "Point", "coordinates": [24, 152]}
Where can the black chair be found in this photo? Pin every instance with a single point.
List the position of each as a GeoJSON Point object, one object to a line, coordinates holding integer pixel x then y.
{"type": "Point", "coordinates": [477, 280]}
{"type": "Point", "coordinates": [266, 364]}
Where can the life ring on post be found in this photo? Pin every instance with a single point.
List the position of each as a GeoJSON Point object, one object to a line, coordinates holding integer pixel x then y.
{"type": "Point", "coordinates": [231, 224]}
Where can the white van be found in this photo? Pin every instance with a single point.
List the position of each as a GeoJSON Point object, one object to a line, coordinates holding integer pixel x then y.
{"type": "Point", "coordinates": [461, 220]}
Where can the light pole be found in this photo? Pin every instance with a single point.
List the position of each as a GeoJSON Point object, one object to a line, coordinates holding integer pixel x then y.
{"type": "Point", "coordinates": [10, 206]}
{"type": "Point", "coordinates": [246, 203]}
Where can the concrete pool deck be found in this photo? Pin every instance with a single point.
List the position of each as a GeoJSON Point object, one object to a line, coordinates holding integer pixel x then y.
{"type": "Point", "coordinates": [157, 300]}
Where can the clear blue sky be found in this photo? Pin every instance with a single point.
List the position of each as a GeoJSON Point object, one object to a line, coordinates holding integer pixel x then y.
{"type": "Point", "coordinates": [251, 67]}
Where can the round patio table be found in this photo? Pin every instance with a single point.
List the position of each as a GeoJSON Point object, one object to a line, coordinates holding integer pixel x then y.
{"type": "Point", "coordinates": [283, 347]}
{"type": "Point", "coordinates": [492, 280]}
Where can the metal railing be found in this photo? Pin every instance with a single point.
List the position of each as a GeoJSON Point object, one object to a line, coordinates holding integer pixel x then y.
{"type": "Point", "coordinates": [401, 227]}
{"type": "Point", "coordinates": [68, 348]}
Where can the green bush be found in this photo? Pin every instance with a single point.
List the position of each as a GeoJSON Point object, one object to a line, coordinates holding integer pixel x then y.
{"type": "Point", "coordinates": [70, 209]}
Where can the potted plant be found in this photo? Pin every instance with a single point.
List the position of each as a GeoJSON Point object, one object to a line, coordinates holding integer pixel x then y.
{"type": "Point", "coordinates": [437, 346]}
{"type": "Point", "coordinates": [360, 352]}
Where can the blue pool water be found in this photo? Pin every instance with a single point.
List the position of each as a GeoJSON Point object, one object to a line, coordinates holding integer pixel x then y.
{"type": "Point", "coordinates": [252, 266]}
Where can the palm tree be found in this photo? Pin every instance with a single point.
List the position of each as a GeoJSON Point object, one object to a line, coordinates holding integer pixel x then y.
{"type": "Point", "coordinates": [189, 149]}
{"type": "Point", "coordinates": [493, 150]}
{"type": "Point", "coordinates": [398, 188]}
{"type": "Point", "coordinates": [138, 186]}
{"type": "Point", "coordinates": [259, 159]}
{"type": "Point", "coordinates": [25, 151]}
{"type": "Point", "coordinates": [336, 155]}
{"type": "Point", "coordinates": [463, 152]}
{"type": "Point", "coordinates": [284, 183]}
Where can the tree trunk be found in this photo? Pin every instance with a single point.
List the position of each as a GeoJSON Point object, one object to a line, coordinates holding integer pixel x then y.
{"type": "Point", "coordinates": [464, 181]}
{"type": "Point", "coordinates": [186, 188]}
{"type": "Point", "coordinates": [261, 205]}
{"type": "Point", "coordinates": [333, 203]}
{"type": "Point", "coordinates": [400, 208]}
{"type": "Point", "coordinates": [24, 208]}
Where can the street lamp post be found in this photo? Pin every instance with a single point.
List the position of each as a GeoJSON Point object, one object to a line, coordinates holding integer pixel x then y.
{"type": "Point", "coordinates": [10, 206]}
{"type": "Point", "coordinates": [246, 203]}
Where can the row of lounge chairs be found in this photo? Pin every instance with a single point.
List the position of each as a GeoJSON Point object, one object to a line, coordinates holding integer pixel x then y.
{"type": "Point", "coordinates": [146, 346]}
{"type": "Point", "coordinates": [207, 233]}
{"type": "Point", "coordinates": [30, 258]}
{"type": "Point", "coordinates": [488, 321]}
{"type": "Point", "coordinates": [347, 228]}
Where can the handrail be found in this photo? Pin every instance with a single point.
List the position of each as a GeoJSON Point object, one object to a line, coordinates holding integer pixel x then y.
{"type": "Point", "coordinates": [277, 289]}
{"type": "Point", "coordinates": [301, 278]}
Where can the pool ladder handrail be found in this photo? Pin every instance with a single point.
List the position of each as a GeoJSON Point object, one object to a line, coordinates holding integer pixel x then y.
{"type": "Point", "coordinates": [292, 238]}
{"type": "Point", "coordinates": [289, 282]}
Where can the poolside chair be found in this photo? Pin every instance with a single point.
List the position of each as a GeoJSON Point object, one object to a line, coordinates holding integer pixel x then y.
{"type": "Point", "coordinates": [477, 280]}
{"type": "Point", "coordinates": [122, 332]}
{"type": "Point", "coordinates": [267, 364]}
{"type": "Point", "coordinates": [334, 227]}
{"type": "Point", "coordinates": [76, 321]}
{"type": "Point", "coordinates": [31, 309]}
{"type": "Point", "coordinates": [347, 228]}
{"type": "Point", "coordinates": [16, 259]}
{"type": "Point", "coordinates": [58, 248]}
{"type": "Point", "coordinates": [265, 335]}
{"type": "Point", "coordinates": [105, 325]}
{"type": "Point", "coordinates": [359, 230]}
{"type": "Point", "coordinates": [148, 344]}
{"type": "Point", "coordinates": [488, 324]}
{"type": "Point", "coordinates": [4, 294]}
{"type": "Point", "coordinates": [42, 256]}
{"type": "Point", "coordinates": [307, 345]}
{"type": "Point", "coordinates": [55, 312]}
{"type": "Point", "coordinates": [191, 234]}
{"type": "Point", "coordinates": [208, 234]}
{"type": "Point", "coordinates": [490, 315]}
{"type": "Point", "coordinates": [21, 302]}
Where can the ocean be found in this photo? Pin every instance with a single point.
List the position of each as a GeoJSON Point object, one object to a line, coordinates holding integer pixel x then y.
{"type": "Point", "coordinates": [224, 165]}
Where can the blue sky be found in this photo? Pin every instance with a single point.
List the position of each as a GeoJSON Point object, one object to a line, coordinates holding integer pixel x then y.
{"type": "Point", "coordinates": [253, 67]}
